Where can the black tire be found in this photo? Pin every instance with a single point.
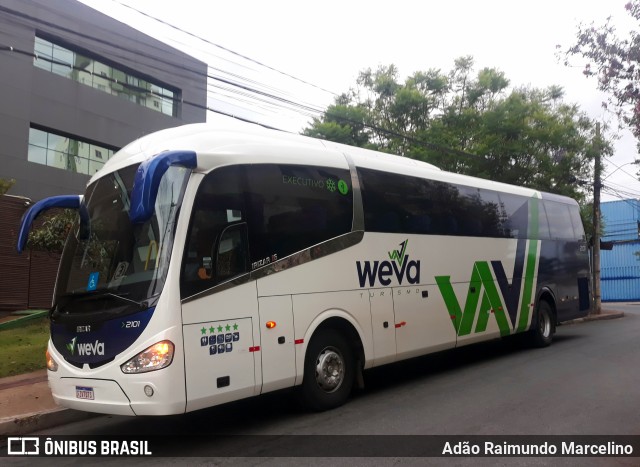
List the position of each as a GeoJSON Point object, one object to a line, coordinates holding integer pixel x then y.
{"type": "Point", "coordinates": [329, 371]}
{"type": "Point", "coordinates": [541, 333]}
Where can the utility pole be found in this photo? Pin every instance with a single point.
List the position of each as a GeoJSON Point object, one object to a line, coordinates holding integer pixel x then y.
{"type": "Point", "coordinates": [596, 225]}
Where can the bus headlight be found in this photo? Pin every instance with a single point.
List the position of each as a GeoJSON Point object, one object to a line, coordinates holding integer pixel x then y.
{"type": "Point", "coordinates": [156, 357]}
{"type": "Point", "coordinates": [51, 363]}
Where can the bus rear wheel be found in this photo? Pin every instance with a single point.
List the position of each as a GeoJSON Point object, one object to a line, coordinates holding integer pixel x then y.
{"type": "Point", "coordinates": [329, 371]}
{"type": "Point", "coordinates": [541, 333]}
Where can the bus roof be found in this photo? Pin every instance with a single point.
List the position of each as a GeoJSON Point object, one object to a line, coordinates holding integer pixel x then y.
{"type": "Point", "coordinates": [230, 142]}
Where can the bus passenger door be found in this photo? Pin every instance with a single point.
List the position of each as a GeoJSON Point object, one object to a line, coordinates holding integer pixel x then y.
{"type": "Point", "coordinates": [277, 346]}
{"type": "Point", "coordinates": [220, 346]}
{"type": "Point", "coordinates": [219, 325]}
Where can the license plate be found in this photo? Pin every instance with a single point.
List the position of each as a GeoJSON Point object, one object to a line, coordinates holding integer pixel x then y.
{"type": "Point", "coordinates": [84, 393]}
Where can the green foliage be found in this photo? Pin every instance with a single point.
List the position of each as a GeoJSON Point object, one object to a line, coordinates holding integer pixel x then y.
{"type": "Point", "coordinates": [468, 123]}
{"type": "Point", "coordinates": [23, 348]}
{"type": "Point", "coordinates": [615, 62]}
{"type": "Point", "coordinates": [343, 123]}
{"type": "Point", "coordinates": [5, 185]}
{"type": "Point", "coordinates": [52, 233]}
{"type": "Point", "coordinates": [586, 213]}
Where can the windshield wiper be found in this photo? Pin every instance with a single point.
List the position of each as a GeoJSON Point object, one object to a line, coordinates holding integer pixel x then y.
{"type": "Point", "coordinates": [142, 305]}
{"type": "Point", "coordinates": [99, 293]}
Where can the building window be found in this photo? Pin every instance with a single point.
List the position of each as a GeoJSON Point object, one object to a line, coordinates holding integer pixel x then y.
{"type": "Point", "coordinates": [88, 71]}
{"type": "Point", "coordinates": [66, 153]}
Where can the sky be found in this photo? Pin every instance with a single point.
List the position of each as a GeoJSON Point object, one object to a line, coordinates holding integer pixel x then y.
{"type": "Point", "coordinates": [324, 45]}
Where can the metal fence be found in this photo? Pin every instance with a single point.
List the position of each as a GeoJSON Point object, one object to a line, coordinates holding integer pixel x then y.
{"type": "Point", "coordinates": [27, 279]}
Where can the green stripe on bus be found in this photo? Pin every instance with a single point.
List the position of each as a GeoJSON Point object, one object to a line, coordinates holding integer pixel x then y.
{"type": "Point", "coordinates": [530, 270]}
{"type": "Point", "coordinates": [449, 296]}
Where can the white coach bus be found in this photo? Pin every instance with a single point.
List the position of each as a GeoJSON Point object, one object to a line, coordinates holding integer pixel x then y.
{"type": "Point", "coordinates": [214, 263]}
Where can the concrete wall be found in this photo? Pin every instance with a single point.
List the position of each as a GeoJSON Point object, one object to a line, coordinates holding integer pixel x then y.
{"type": "Point", "coordinates": [32, 96]}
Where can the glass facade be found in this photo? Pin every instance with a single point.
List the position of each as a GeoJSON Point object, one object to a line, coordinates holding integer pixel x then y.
{"type": "Point", "coordinates": [66, 153]}
{"type": "Point", "coordinates": [106, 78]}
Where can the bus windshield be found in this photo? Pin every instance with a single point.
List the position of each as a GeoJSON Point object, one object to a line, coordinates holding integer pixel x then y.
{"type": "Point", "coordinates": [119, 266]}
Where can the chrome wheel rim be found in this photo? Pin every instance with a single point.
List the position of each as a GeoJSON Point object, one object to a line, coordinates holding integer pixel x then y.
{"type": "Point", "coordinates": [330, 369]}
{"type": "Point", "coordinates": [545, 324]}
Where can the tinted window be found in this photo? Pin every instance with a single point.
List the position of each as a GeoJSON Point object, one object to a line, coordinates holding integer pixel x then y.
{"type": "Point", "coordinates": [398, 203]}
{"type": "Point", "coordinates": [516, 215]}
{"type": "Point", "coordinates": [559, 218]}
{"type": "Point", "coordinates": [543, 224]}
{"type": "Point", "coordinates": [576, 221]}
{"type": "Point", "coordinates": [216, 248]}
{"type": "Point", "coordinates": [293, 207]}
{"type": "Point", "coordinates": [492, 215]}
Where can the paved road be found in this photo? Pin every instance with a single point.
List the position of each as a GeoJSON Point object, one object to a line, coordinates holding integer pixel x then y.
{"type": "Point", "coordinates": [586, 383]}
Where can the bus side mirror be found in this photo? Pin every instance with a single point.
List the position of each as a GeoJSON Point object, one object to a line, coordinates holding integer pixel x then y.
{"type": "Point", "coordinates": [147, 181]}
{"type": "Point", "coordinates": [65, 202]}
{"type": "Point", "coordinates": [606, 245]}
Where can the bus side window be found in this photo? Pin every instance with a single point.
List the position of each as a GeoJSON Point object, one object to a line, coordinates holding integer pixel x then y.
{"type": "Point", "coordinates": [293, 207]}
{"type": "Point", "coordinates": [216, 248]}
{"type": "Point", "coordinates": [560, 226]}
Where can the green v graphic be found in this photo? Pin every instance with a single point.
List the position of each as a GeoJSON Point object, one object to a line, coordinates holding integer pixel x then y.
{"type": "Point", "coordinates": [482, 288]}
{"type": "Point", "coordinates": [398, 255]}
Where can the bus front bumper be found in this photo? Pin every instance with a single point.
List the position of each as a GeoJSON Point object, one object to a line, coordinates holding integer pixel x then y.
{"type": "Point", "coordinates": [90, 395]}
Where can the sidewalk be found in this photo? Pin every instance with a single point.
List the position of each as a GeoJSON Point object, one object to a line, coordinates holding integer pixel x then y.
{"type": "Point", "coordinates": [26, 404]}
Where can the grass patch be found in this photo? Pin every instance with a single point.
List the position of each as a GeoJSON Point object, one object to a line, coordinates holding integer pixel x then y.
{"type": "Point", "coordinates": [23, 348]}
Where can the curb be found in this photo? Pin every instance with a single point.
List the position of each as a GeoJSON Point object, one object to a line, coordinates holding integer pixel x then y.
{"type": "Point", "coordinates": [28, 423]}
{"type": "Point", "coordinates": [604, 314]}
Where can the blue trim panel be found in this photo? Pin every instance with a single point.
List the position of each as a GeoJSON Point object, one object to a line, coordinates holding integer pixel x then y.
{"type": "Point", "coordinates": [98, 343]}
{"type": "Point", "coordinates": [511, 292]}
{"type": "Point", "coordinates": [147, 181]}
{"type": "Point", "coordinates": [65, 201]}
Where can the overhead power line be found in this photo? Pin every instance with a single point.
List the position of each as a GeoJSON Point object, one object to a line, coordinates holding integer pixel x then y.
{"type": "Point", "coordinates": [428, 145]}
{"type": "Point", "coordinates": [237, 88]}
{"type": "Point", "coordinates": [226, 49]}
{"type": "Point", "coordinates": [618, 167]}
{"type": "Point", "coordinates": [289, 105]}
{"type": "Point", "coordinates": [300, 108]}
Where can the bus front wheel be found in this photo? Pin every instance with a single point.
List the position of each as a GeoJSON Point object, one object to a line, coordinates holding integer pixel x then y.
{"type": "Point", "coordinates": [329, 371]}
{"type": "Point", "coordinates": [541, 333]}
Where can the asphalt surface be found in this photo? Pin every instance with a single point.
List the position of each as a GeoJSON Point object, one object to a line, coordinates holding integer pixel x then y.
{"type": "Point", "coordinates": [586, 383]}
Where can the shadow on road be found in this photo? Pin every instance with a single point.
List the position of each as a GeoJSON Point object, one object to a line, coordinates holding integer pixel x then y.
{"type": "Point", "coordinates": [248, 414]}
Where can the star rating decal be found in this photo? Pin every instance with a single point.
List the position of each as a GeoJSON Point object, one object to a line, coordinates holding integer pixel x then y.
{"type": "Point", "coordinates": [212, 329]}
{"type": "Point", "coordinates": [221, 339]}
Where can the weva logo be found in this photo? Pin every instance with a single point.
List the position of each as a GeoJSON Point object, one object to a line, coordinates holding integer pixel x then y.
{"type": "Point", "coordinates": [383, 271]}
{"type": "Point", "coordinates": [71, 346]}
{"type": "Point", "coordinates": [85, 348]}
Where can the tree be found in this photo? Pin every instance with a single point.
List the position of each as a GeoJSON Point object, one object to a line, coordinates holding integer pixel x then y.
{"type": "Point", "coordinates": [468, 123]}
{"type": "Point", "coordinates": [343, 123]}
{"type": "Point", "coordinates": [5, 185]}
{"type": "Point", "coordinates": [615, 62]}
{"type": "Point", "coordinates": [51, 233]}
